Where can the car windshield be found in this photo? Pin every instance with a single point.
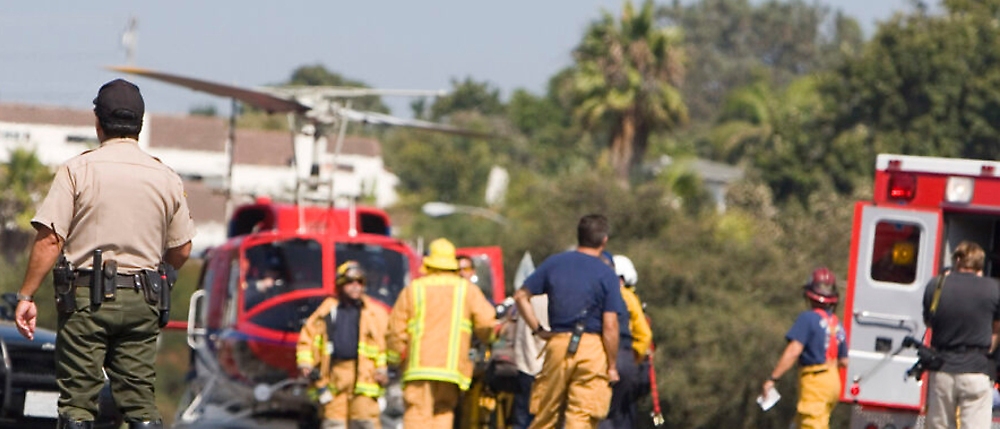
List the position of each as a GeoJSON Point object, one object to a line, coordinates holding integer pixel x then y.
{"type": "Point", "coordinates": [387, 271]}
{"type": "Point", "coordinates": [281, 266]}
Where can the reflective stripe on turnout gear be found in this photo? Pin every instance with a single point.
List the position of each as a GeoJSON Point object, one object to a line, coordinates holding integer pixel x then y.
{"type": "Point", "coordinates": [417, 370]}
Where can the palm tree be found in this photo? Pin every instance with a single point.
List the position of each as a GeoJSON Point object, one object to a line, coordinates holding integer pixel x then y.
{"type": "Point", "coordinates": [626, 78]}
{"type": "Point", "coordinates": [775, 131]}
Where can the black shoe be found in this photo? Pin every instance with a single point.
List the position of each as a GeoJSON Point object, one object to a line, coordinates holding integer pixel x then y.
{"type": "Point", "coordinates": [74, 424]}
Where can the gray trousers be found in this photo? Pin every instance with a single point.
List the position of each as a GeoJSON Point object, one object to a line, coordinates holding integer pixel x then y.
{"type": "Point", "coordinates": [968, 397]}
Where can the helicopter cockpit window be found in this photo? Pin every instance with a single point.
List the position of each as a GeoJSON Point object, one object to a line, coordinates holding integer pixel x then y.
{"type": "Point", "coordinates": [282, 266]}
{"type": "Point", "coordinates": [895, 252]}
{"type": "Point", "coordinates": [387, 270]}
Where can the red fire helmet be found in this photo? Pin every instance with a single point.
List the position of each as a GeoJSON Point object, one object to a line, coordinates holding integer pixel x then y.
{"type": "Point", "coordinates": [822, 287]}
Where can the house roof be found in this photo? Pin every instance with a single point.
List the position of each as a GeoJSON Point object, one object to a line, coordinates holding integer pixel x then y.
{"type": "Point", "coordinates": [357, 145]}
{"type": "Point", "coordinates": [47, 115]}
{"type": "Point", "coordinates": [188, 132]}
{"type": "Point", "coordinates": [708, 170]}
{"type": "Point", "coordinates": [263, 147]}
{"type": "Point", "coordinates": [206, 204]}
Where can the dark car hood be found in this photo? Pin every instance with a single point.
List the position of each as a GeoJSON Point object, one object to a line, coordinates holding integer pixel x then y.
{"type": "Point", "coordinates": [44, 338]}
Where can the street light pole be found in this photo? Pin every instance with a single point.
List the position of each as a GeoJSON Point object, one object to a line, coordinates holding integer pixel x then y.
{"type": "Point", "coordinates": [441, 209]}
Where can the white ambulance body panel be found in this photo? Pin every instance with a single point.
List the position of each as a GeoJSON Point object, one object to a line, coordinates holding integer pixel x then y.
{"type": "Point", "coordinates": [886, 303]}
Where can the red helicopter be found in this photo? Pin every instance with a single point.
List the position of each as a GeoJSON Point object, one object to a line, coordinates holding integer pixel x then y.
{"type": "Point", "coordinates": [277, 265]}
{"type": "Point", "coordinates": [258, 287]}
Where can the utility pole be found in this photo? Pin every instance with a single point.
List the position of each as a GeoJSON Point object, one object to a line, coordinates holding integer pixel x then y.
{"type": "Point", "coordinates": [129, 40]}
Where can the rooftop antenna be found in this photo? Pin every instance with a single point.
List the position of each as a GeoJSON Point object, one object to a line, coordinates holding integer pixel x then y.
{"type": "Point", "coordinates": [129, 40]}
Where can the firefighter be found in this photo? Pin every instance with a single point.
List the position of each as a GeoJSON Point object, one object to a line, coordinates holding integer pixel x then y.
{"type": "Point", "coordinates": [430, 334]}
{"type": "Point", "coordinates": [818, 342]}
{"type": "Point", "coordinates": [581, 351]}
{"type": "Point", "coordinates": [625, 393]}
{"type": "Point", "coordinates": [344, 339]}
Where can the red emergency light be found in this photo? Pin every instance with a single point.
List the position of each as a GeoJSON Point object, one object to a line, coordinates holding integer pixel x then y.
{"type": "Point", "coordinates": [902, 186]}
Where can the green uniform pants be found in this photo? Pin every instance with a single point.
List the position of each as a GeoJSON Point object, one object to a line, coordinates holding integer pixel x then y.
{"type": "Point", "coordinates": [120, 337]}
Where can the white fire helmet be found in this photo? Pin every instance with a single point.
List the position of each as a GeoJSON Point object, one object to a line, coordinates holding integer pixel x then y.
{"type": "Point", "coordinates": [626, 270]}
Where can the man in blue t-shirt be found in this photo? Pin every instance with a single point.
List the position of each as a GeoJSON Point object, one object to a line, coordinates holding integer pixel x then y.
{"type": "Point", "coordinates": [818, 342]}
{"type": "Point", "coordinates": [581, 350]}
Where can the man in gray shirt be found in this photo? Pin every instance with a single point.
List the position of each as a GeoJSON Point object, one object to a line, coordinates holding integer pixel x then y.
{"type": "Point", "coordinates": [963, 312]}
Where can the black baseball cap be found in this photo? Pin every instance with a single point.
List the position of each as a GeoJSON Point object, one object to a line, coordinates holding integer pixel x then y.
{"type": "Point", "coordinates": [119, 100]}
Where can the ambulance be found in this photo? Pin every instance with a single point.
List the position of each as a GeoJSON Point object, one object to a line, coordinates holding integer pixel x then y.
{"type": "Point", "coordinates": [922, 208]}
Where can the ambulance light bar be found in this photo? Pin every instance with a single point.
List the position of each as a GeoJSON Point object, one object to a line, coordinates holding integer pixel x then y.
{"type": "Point", "coordinates": [959, 190]}
{"type": "Point", "coordinates": [902, 186]}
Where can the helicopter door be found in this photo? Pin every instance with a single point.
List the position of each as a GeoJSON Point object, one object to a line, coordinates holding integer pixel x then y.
{"type": "Point", "coordinates": [893, 257]}
{"type": "Point", "coordinates": [487, 263]}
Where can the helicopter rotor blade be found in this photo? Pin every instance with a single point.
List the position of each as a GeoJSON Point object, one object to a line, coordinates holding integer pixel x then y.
{"type": "Point", "coordinates": [279, 100]}
{"type": "Point", "coordinates": [348, 92]}
{"type": "Point", "coordinates": [384, 119]}
{"type": "Point", "coordinates": [262, 100]}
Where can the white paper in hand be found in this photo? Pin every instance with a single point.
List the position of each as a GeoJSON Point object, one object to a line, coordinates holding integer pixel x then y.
{"type": "Point", "coordinates": [766, 402]}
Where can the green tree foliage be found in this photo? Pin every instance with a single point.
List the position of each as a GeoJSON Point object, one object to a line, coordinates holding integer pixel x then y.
{"type": "Point", "coordinates": [721, 290]}
{"type": "Point", "coordinates": [318, 75]}
{"type": "Point", "coordinates": [728, 42]}
{"type": "Point", "coordinates": [546, 139]}
{"type": "Point", "coordinates": [925, 85]}
{"type": "Point", "coordinates": [438, 166]}
{"type": "Point", "coordinates": [23, 183]}
{"type": "Point", "coordinates": [626, 78]}
{"type": "Point", "coordinates": [777, 134]}
{"type": "Point", "coordinates": [309, 75]}
{"type": "Point", "coordinates": [468, 96]}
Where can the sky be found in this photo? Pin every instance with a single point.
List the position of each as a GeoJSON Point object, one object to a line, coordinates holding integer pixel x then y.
{"type": "Point", "coordinates": [53, 52]}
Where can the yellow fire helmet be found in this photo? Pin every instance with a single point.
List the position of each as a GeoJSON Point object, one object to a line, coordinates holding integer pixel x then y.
{"type": "Point", "coordinates": [441, 256]}
{"type": "Point", "coordinates": [350, 271]}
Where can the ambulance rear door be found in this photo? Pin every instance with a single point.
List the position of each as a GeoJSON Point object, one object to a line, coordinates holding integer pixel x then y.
{"type": "Point", "coordinates": [893, 256]}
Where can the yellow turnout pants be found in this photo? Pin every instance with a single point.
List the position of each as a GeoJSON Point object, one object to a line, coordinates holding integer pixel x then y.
{"type": "Point", "coordinates": [347, 407]}
{"type": "Point", "coordinates": [574, 389]}
{"type": "Point", "coordinates": [819, 391]}
{"type": "Point", "coordinates": [429, 404]}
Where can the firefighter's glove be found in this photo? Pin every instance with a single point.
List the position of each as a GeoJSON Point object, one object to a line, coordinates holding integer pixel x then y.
{"type": "Point", "coordinates": [325, 395]}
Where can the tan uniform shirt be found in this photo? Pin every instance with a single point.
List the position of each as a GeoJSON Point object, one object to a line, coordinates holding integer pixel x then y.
{"type": "Point", "coordinates": [121, 200]}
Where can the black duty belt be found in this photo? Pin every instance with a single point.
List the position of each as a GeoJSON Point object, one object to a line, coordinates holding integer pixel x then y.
{"type": "Point", "coordinates": [122, 281]}
{"type": "Point", "coordinates": [965, 349]}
